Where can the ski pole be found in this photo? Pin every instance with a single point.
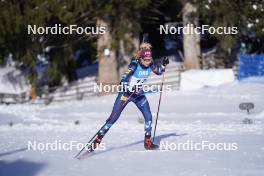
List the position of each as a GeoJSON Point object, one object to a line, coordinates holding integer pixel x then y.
{"type": "Point", "coordinates": [117, 111]}
{"type": "Point", "coordinates": [161, 89]}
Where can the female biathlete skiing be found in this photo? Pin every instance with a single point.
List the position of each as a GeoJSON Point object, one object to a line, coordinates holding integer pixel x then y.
{"type": "Point", "coordinates": [132, 82]}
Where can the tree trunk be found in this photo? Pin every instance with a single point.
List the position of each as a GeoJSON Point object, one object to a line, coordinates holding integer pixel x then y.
{"type": "Point", "coordinates": [112, 65]}
{"type": "Point", "coordinates": [191, 42]}
{"type": "Point", "coordinates": [126, 50]}
{"type": "Point", "coordinates": [108, 65]}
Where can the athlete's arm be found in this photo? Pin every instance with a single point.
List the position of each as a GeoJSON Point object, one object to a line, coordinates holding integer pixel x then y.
{"type": "Point", "coordinates": [131, 69]}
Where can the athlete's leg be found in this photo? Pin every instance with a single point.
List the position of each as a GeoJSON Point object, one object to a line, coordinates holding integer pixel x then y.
{"type": "Point", "coordinates": [143, 105]}
{"type": "Point", "coordinates": [120, 103]}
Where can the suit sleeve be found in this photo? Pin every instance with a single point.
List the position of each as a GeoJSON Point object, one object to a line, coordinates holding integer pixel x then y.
{"type": "Point", "coordinates": [131, 69]}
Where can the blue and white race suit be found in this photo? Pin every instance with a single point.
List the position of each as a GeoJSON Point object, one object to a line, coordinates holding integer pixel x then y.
{"type": "Point", "coordinates": [136, 75]}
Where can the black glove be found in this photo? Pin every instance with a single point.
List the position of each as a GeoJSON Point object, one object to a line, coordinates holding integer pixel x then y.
{"type": "Point", "coordinates": [165, 61]}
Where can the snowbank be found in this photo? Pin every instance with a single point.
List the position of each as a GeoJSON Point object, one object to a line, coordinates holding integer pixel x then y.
{"type": "Point", "coordinates": [196, 79]}
{"type": "Point", "coordinates": [254, 79]}
{"type": "Point", "coordinates": [12, 81]}
{"type": "Point", "coordinates": [260, 115]}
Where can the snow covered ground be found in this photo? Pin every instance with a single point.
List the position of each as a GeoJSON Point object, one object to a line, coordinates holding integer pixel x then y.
{"type": "Point", "coordinates": [208, 114]}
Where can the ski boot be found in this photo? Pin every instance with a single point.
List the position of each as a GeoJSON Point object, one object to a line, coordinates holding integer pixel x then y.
{"type": "Point", "coordinates": [96, 143]}
{"type": "Point", "coordinates": [148, 144]}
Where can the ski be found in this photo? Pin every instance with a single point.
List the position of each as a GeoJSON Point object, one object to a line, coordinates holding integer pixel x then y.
{"type": "Point", "coordinates": [89, 143]}
{"type": "Point", "coordinates": [147, 151]}
{"type": "Point", "coordinates": [92, 140]}
{"type": "Point", "coordinates": [86, 153]}
{"type": "Point", "coordinates": [90, 147]}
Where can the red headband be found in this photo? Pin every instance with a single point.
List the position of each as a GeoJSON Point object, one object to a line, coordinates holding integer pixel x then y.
{"type": "Point", "coordinates": [146, 53]}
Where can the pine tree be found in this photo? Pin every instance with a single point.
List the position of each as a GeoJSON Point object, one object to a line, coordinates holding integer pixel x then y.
{"type": "Point", "coordinates": [14, 37]}
{"type": "Point", "coordinates": [121, 19]}
{"type": "Point", "coordinates": [246, 15]}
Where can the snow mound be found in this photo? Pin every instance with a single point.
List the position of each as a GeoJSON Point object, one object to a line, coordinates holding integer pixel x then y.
{"type": "Point", "coordinates": [260, 115]}
{"type": "Point", "coordinates": [254, 79]}
{"type": "Point", "coordinates": [196, 79]}
{"type": "Point", "coordinates": [12, 81]}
